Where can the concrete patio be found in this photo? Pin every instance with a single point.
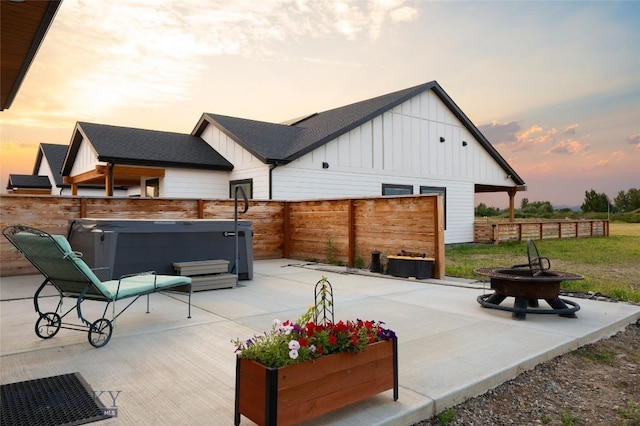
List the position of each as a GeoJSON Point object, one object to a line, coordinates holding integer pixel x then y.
{"type": "Point", "coordinates": [173, 370]}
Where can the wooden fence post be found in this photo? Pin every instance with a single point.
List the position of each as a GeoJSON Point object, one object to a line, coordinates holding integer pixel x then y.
{"type": "Point", "coordinates": [351, 233]}
{"type": "Point", "coordinates": [200, 209]}
{"type": "Point", "coordinates": [286, 230]}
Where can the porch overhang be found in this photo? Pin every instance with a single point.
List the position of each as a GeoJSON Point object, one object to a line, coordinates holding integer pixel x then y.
{"type": "Point", "coordinates": [510, 190]}
{"type": "Point", "coordinates": [113, 175]}
{"type": "Point", "coordinates": [497, 188]}
{"type": "Point", "coordinates": [24, 26]}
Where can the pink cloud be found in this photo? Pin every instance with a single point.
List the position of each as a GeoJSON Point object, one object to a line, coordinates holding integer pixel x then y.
{"type": "Point", "coordinates": [571, 130]}
{"type": "Point", "coordinates": [530, 136]}
{"type": "Point", "coordinates": [510, 136]}
{"type": "Point", "coordinates": [634, 140]}
{"type": "Point", "coordinates": [618, 155]}
{"type": "Point", "coordinates": [526, 134]}
{"type": "Point", "coordinates": [497, 132]}
{"type": "Point", "coordinates": [570, 147]}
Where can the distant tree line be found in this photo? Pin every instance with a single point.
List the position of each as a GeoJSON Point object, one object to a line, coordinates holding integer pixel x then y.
{"type": "Point", "coordinates": [625, 206]}
{"type": "Point", "coordinates": [624, 202]}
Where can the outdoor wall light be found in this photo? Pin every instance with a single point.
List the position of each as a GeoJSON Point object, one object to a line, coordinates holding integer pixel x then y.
{"type": "Point", "coordinates": [325, 165]}
{"type": "Point", "coordinates": [441, 139]}
{"type": "Point", "coordinates": [464, 143]}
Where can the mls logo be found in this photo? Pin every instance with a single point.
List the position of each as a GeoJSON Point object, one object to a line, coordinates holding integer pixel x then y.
{"type": "Point", "coordinates": [106, 401]}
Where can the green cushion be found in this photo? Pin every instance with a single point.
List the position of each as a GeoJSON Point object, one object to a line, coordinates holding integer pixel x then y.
{"type": "Point", "coordinates": [53, 258]}
{"type": "Point", "coordinates": [140, 284]}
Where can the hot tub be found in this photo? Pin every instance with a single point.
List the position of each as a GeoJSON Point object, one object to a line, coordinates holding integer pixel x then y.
{"type": "Point", "coordinates": [128, 246]}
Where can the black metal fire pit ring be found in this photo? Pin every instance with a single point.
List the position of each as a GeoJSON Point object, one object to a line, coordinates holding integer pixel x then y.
{"type": "Point", "coordinates": [565, 311]}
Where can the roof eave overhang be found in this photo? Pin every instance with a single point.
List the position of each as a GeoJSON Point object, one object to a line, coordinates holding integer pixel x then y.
{"type": "Point", "coordinates": [74, 145]}
{"type": "Point", "coordinates": [163, 164]}
{"type": "Point", "coordinates": [29, 55]}
{"type": "Point", "coordinates": [498, 188]}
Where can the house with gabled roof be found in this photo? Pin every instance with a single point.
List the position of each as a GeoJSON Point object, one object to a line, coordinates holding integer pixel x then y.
{"type": "Point", "coordinates": [163, 164]}
{"type": "Point", "coordinates": [412, 141]}
{"type": "Point", "coordinates": [46, 178]}
{"type": "Point", "coordinates": [28, 184]}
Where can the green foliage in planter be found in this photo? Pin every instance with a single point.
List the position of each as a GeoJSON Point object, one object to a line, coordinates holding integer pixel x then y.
{"type": "Point", "coordinates": [311, 336]}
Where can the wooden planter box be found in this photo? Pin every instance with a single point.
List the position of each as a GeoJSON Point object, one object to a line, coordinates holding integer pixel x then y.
{"type": "Point", "coordinates": [295, 393]}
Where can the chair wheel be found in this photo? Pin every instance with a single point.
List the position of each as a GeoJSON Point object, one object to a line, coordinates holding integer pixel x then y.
{"type": "Point", "coordinates": [100, 332]}
{"type": "Point", "coordinates": [48, 325]}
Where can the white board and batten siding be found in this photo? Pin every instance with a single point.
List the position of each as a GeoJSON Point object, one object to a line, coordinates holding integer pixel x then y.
{"type": "Point", "coordinates": [86, 159]}
{"type": "Point", "coordinates": [245, 164]}
{"type": "Point", "coordinates": [192, 183]}
{"type": "Point", "coordinates": [401, 147]}
{"type": "Point", "coordinates": [45, 170]}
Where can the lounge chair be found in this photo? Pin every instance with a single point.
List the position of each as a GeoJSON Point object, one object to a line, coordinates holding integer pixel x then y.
{"type": "Point", "coordinates": [65, 270]}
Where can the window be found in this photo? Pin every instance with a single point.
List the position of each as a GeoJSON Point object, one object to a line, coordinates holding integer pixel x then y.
{"type": "Point", "coordinates": [442, 190]}
{"type": "Point", "coordinates": [389, 189]}
{"type": "Point", "coordinates": [246, 184]}
{"type": "Point", "coordinates": [152, 188]}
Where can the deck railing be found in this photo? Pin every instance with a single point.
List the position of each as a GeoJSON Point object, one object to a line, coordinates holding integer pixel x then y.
{"type": "Point", "coordinates": [499, 232]}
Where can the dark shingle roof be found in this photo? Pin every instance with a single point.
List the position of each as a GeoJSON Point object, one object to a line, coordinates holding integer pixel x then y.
{"type": "Point", "coordinates": [132, 146]}
{"type": "Point", "coordinates": [274, 143]}
{"type": "Point", "coordinates": [267, 141]}
{"type": "Point", "coordinates": [285, 142]}
{"type": "Point", "coordinates": [54, 155]}
{"type": "Point", "coordinates": [28, 181]}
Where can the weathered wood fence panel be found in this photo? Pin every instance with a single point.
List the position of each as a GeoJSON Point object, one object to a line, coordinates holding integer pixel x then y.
{"type": "Point", "coordinates": [318, 230]}
{"type": "Point", "coordinates": [52, 214]}
{"type": "Point", "coordinates": [499, 232]}
{"type": "Point", "coordinates": [381, 226]}
{"type": "Point", "coordinates": [339, 230]}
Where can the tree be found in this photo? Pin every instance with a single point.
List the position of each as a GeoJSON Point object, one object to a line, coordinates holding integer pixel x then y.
{"type": "Point", "coordinates": [628, 201]}
{"type": "Point", "coordinates": [594, 202]}
{"type": "Point", "coordinates": [482, 210]}
{"type": "Point", "coordinates": [524, 203]}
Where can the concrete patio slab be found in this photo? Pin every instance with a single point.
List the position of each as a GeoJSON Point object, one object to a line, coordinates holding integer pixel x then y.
{"type": "Point", "coordinates": [175, 370]}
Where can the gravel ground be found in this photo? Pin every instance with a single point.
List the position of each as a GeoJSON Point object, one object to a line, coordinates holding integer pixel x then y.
{"type": "Point", "coordinates": [598, 384]}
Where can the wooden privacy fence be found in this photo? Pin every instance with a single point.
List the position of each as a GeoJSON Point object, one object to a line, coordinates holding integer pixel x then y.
{"type": "Point", "coordinates": [499, 232]}
{"type": "Point", "coordinates": [343, 231]}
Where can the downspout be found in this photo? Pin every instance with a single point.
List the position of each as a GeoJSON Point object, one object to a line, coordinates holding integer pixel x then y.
{"type": "Point", "coordinates": [272, 166]}
{"type": "Point", "coordinates": [110, 180]}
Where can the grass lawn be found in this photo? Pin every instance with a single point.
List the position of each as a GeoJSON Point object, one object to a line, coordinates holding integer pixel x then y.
{"type": "Point", "coordinates": [610, 265]}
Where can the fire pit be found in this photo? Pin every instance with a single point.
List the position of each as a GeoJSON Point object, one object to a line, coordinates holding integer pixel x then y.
{"type": "Point", "coordinates": [527, 283]}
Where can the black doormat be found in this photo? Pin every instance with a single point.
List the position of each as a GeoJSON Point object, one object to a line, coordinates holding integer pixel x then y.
{"type": "Point", "coordinates": [57, 400]}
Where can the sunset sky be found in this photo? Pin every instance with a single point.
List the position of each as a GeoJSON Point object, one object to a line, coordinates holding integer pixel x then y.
{"type": "Point", "coordinates": [555, 86]}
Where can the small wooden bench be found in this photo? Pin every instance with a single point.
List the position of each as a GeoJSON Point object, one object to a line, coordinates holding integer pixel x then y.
{"type": "Point", "coordinates": [207, 274]}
